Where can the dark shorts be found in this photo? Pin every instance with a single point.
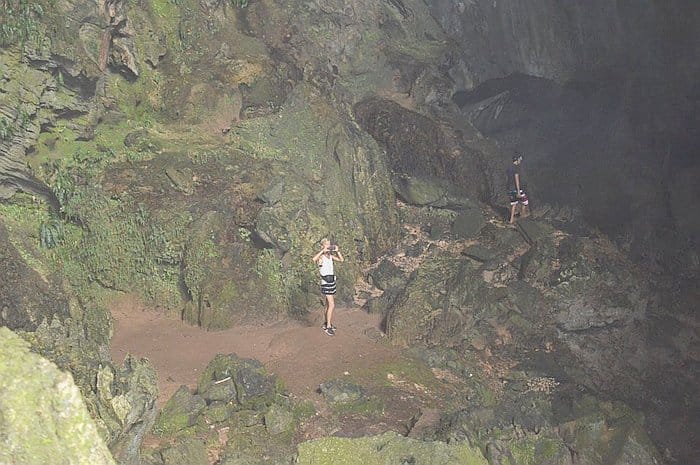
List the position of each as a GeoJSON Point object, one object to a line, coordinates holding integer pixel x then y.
{"type": "Point", "coordinates": [328, 284]}
{"type": "Point", "coordinates": [514, 198]}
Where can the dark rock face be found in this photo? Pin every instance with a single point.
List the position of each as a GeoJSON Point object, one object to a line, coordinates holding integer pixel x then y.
{"type": "Point", "coordinates": [27, 299]}
{"type": "Point", "coordinates": [468, 223]}
{"type": "Point", "coordinates": [579, 296]}
{"type": "Point", "coordinates": [565, 40]}
{"type": "Point", "coordinates": [589, 147]}
{"type": "Point", "coordinates": [613, 108]}
{"type": "Point", "coordinates": [418, 147]}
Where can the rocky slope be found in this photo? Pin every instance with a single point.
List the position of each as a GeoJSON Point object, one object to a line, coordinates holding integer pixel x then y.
{"type": "Point", "coordinates": [195, 152]}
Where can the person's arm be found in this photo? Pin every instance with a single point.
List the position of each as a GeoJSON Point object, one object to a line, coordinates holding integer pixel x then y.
{"type": "Point", "coordinates": [517, 183]}
{"type": "Point", "coordinates": [339, 257]}
{"type": "Point", "coordinates": [317, 257]}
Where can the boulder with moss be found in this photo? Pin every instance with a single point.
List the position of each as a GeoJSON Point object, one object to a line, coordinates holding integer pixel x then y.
{"type": "Point", "coordinates": [180, 412]}
{"type": "Point", "coordinates": [387, 448]}
{"type": "Point", "coordinates": [239, 411]}
{"type": "Point", "coordinates": [44, 417]}
{"type": "Point", "coordinates": [586, 431]}
{"type": "Point", "coordinates": [186, 452]}
{"type": "Point", "coordinates": [245, 382]}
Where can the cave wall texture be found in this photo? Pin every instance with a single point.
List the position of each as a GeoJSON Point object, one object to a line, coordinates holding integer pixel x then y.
{"type": "Point", "coordinates": [564, 41]}
{"type": "Point", "coordinates": [611, 126]}
{"type": "Point", "coordinates": [193, 152]}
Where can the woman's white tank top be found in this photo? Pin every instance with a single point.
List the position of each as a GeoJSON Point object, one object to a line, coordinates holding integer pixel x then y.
{"type": "Point", "coordinates": [326, 267]}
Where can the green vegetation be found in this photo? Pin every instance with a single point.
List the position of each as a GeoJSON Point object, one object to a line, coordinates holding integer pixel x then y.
{"type": "Point", "coordinates": [51, 234]}
{"type": "Point", "coordinates": [23, 217]}
{"type": "Point", "coordinates": [278, 282]}
{"type": "Point", "coordinates": [18, 22]}
{"type": "Point", "coordinates": [368, 407]}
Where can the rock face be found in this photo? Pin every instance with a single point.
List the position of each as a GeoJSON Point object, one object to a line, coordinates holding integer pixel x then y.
{"type": "Point", "coordinates": [576, 300]}
{"type": "Point", "coordinates": [194, 152]}
{"type": "Point", "coordinates": [74, 335]}
{"type": "Point", "coordinates": [563, 41]}
{"type": "Point", "coordinates": [26, 298]}
{"type": "Point", "coordinates": [573, 158]}
{"type": "Point", "coordinates": [596, 113]}
{"type": "Point", "coordinates": [44, 417]}
{"type": "Point", "coordinates": [589, 433]}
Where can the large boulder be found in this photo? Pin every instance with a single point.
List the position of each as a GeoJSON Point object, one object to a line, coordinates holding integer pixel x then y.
{"type": "Point", "coordinates": [244, 382]}
{"type": "Point", "coordinates": [387, 448]}
{"type": "Point", "coordinates": [44, 417]}
{"type": "Point", "coordinates": [432, 165]}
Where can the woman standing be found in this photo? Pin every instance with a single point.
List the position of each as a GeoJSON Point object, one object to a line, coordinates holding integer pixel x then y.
{"type": "Point", "coordinates": [324, 259]}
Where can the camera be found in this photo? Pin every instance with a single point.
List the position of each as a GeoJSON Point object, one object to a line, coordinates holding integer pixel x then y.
{"type": "Point", "coordinates": [332, 248]}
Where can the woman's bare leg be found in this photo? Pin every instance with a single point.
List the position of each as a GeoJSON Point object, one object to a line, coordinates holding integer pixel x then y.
{"type": "Point", "coordinates": [330, 305]}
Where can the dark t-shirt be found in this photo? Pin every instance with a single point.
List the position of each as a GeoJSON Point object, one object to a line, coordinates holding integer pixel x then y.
{"type": "Point", "coordinates": [513, 169]}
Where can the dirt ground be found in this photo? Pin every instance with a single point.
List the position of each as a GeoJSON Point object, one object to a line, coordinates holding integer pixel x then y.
{"type": "Point", "coordinates": [301, 354]}
{"type": "Point", "coordinates": [298, 352]}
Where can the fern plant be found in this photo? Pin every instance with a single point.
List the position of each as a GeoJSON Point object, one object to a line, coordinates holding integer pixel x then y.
{"type": "Point", "coordinates": [18, 21]}
{"type": "Point", "coordinates": [51, 234]}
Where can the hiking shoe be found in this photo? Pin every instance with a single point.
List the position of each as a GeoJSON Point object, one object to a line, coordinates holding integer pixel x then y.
{"type": "Point", "coordinates": [325, 326]}
{"type": "Point", "coordinates": [330, 331]}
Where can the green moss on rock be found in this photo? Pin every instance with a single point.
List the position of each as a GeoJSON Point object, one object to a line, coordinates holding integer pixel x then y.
{"type": "Point", "coordinates": [180, 412]}
{"type": "Point", "coordinates": [389, 448]}
{"type": "Point", "coordinates": [44, 419]}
